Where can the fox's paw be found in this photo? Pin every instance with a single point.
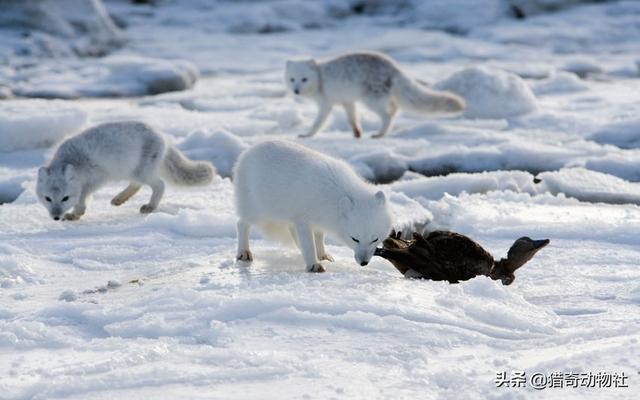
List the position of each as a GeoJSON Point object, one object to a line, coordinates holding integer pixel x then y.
{"type": "Point", "coordinates": [245, 255]}
{"type": "Point", "coordinates": [70, 217]}
{"type": "Point", "coordinates": [378, 135]}
{"type": "Point", "coordinates": [315, 268]}
{"type": "Point", "coordinates": [306, 135]}
{"type": "Point", "coordinates": [146, 209]}
{"type": "Point", "coordinates": [326, 256]}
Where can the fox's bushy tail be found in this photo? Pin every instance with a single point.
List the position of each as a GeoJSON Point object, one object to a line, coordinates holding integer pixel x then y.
{"type": "Point", "coordinates": [182, 171]}
{"type": "Point", "coordinates": [417, 98]}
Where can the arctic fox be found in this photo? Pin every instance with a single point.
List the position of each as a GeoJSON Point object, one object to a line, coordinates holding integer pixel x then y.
{"type": "Point", "coordinates": [372, 78]}
{"type": "Point", "coordinates": [288, 189]}
{"type": "Point", "coordinates": [114, 151]}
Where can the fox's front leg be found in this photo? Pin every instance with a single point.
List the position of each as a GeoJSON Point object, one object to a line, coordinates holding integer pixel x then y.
{"type": "Point", "coordinates": [387, 113]}
{"type": "Point", "coordinates": [308, 246]}
{"type": "Point", "coordinates": [244, 253]}
{"type": "Point", "coordinates": [79, 209]}
{"type": "Point", "coordinates": [352, 116]}
{"type": "Point", "coordinates": [324, 109]}
{"type": "Point", "coordinates": [321, 252]}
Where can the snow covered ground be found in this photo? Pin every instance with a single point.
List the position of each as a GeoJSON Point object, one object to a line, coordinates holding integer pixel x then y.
{"type": "Point", "coordinates": [121, 305]}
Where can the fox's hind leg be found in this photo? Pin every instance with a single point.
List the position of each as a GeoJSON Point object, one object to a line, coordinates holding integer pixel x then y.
{"type": "Point", "coordinates": [157, 191]}
{"type": "Point", "coordinates": [126, 194]}
{"type": "Point", "coordinates": [244, 254]}
{"type": "Point", "coordinates": [320, 250]}
{"type": "Point", "coordinates": [352, 115]}
{"type": "Point", "coordinates": [387, 111]}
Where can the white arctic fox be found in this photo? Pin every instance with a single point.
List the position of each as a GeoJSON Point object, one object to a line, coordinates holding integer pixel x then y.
{"type": "Point", "coordinates": [372, 78]}
{"type": "Point", "coordinates": [112, 151]}
{"type": "Point", "coordinates": [286, 188]}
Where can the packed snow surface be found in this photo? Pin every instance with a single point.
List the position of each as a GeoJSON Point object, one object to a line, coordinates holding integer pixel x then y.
{"type": "Point", "coordinates": [123, 305]}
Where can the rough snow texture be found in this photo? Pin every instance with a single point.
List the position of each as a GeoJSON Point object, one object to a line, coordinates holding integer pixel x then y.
{"type": "Point", "coordinates": [120, 305]}
{"type": "Point", "coordinates": [117, 76]}
{"type": "Point", "coordinates": [490, 93]}
{"type": "Point", "coordinates": [61, 27]}
{"type": "Point", "coordinates": [37, 124]}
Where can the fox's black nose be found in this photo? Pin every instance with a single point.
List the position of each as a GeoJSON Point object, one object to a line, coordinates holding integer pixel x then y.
{"type": "Point", "coordinates": [56, 218]}
{"type": "Point", "coordinates": [296, 91]}
{"type": "Point", "coordinates": [363, 263]}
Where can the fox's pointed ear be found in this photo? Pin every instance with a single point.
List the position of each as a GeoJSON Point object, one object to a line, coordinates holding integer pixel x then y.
{"type": "Point", "coordinates": [380, 197]}
{"type": "Point", "coordinates": [69, 172]}
{"type": "Point", "coordinates": [345, 205]}
{"type": "Point", "coordinates": [43, 172]}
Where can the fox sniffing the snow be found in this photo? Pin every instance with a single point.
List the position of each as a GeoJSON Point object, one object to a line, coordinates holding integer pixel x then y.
{"type": "Point", "coordinates": [298, 193]}
{"type": "Point", "coordinates": [371, 78]}
{"type": "Point", "coordinates": [114, 151]}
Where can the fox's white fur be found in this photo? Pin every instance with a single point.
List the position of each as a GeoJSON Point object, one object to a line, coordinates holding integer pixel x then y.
{"type": "Point", "coordinates": [284, 187]}
{"type": "Point", "coordinates": [372, 78]}
{"type": "Point", "coordinates": [114, 151]}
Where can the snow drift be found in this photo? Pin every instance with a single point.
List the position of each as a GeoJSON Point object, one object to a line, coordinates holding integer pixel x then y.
{"type": "Point", "coordinates": [490, 93]}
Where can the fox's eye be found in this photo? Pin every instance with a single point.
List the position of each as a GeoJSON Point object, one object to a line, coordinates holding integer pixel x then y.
{"type": "Point", "coordinates": [355, 240]}
{"type": "Point", "coordinates": [65, 198]}
{"type": "Point", "coordinates": [48, 199]}
{"type": "Point", "coordinates": [292, 80]}
{"type": "Point", "coordinates": [374, 240]}
{"type": "Point", "coordinates": [304, 80]}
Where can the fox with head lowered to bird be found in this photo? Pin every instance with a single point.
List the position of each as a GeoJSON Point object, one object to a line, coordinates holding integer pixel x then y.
{"type": "Point", "coordinates": [292, 192]}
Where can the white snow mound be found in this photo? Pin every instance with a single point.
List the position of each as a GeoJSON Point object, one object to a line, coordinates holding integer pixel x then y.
{"type": "Point", "coordinates": [220, 147]}
{"type": "Point", "coordinates": [561, 82]}
{"type": "Point", "coordinates": [491, 92]}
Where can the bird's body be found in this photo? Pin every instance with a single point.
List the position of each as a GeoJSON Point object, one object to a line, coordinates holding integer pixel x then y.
{"type": "Point", "coordinates": [453, 257]}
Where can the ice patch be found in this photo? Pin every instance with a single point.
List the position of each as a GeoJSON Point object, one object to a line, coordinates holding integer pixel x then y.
{"type": "Point", "coordinates": [591, 186]}
{"type": "Point", "coordinates": [29, 124]}
{"type": "Point", "coordinates": [624, 134]}
{"type": "Point", "coordinates": [491, 92]}
{"type": "Point", "coordinates": [434, 188]}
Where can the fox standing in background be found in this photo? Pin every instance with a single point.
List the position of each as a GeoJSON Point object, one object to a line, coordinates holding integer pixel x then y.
{"type": "Point", "coordinates": [296, 193]}
{"type": "Point", "coordinates": [372, 78]}
{"type": "Point", "coordinates": [114, 151]}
